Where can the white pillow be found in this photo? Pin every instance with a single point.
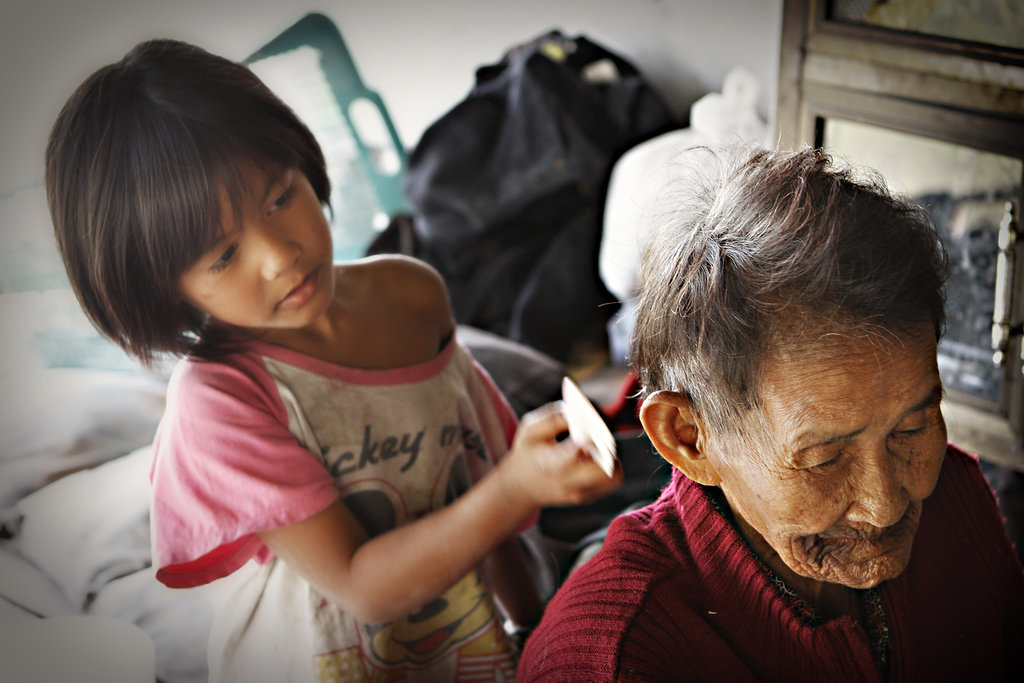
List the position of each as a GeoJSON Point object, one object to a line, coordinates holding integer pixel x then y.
{"type": "Point", "coordinates": [89, 534]}
{"type": "Point", "coordinates": [54, 421]}
{"type": "Point", "coordinates": [90, 527]}
{"type": "Point", "coordinates": [23, 585]}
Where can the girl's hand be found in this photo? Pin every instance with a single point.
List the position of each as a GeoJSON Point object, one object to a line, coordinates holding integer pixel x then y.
{"type": "Point", "coordinates": [547, 472]}
{"type": "Point", "coordinates": [387, 576]}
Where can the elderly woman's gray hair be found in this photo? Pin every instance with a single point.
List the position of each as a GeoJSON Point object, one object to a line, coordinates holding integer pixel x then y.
{"type": "Point", "coordinates": [764, 250]}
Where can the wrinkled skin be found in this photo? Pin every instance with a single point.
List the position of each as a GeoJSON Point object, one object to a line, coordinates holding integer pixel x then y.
{"type": "Point", "coordinates": [851, 443]}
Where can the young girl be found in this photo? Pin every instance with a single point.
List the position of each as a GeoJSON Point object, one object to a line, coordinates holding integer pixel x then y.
{"type": "Point", "coordinates": [330, 456]}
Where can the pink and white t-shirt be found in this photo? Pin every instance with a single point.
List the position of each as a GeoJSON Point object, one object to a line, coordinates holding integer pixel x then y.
{"type": "Point", "coordinates": [267, 437]}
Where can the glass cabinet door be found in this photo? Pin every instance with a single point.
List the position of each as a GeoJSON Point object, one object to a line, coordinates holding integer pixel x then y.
{"type": "Point", "coordinates": [972, 197]}
{"type": "Point", "coordinates": [930, 93]}
{"type": "Point", "coordinates": [992, 22]}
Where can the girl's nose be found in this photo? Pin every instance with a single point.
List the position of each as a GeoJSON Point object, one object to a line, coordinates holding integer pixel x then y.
{"type": "Point", "coordinates": [277, 252]}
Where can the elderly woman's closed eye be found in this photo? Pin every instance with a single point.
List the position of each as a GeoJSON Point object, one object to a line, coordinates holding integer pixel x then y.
{"type": "Point", "coordinates": [853, 443]}
{"type": "Point", "coordinates": [818, 525]}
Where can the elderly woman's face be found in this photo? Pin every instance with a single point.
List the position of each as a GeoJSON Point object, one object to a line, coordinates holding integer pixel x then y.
{"type": "Point", "coordinates": [856, 443]}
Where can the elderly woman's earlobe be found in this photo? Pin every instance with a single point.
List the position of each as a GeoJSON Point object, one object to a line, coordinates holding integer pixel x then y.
{"type": "Point", "coordinates": [673, 427]}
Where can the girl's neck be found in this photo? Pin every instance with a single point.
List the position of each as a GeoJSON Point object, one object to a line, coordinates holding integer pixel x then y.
{"type": "Point", "coordinates": [366, 327]}
{"type": "Point", "coordinates": [321, 339]}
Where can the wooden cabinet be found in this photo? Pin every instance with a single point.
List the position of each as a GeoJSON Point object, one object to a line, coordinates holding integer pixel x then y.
{"type": "Point", "coordinates": [935, 102]}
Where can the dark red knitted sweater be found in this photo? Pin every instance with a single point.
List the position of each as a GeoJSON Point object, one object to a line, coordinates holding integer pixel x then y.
{"type": "Point", "coordinates": [675, 594]}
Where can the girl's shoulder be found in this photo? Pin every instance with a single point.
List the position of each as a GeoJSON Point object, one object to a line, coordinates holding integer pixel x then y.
{"type": "Point", "coordinates": [393, 281]}
{"type": "Point", "coordinates": [392, 268]}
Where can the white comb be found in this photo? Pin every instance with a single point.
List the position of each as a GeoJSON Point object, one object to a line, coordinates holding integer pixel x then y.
{"type": "Point", "coordinates": [586, 425]}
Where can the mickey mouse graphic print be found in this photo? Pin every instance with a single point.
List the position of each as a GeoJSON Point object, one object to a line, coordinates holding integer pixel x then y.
{"type": "Point", "coordinates": [393, 444]}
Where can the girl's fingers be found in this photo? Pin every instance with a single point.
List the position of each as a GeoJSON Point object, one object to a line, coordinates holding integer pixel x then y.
{"type": "Point", "coordinates": [545, 423]}
{"type": "Point", "coordinates": [581, 471]}
{"type": "Point", "coordinates": [556, 472]}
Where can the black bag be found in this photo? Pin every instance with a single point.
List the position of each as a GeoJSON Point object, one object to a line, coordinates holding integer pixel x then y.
{"type": "Point", "coordinates": [508, 188]}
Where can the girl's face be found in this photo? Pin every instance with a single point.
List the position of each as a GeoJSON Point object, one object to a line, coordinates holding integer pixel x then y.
{"type": "Point", "coordinates": [272, 269]}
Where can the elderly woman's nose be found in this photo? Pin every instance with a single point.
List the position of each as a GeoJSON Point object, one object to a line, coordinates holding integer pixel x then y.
{"type": "Point", "coordinates": [882, 498]}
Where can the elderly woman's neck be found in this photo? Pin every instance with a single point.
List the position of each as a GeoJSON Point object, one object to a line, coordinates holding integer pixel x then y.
{"type": "Point", "coordinates": [829, 600]}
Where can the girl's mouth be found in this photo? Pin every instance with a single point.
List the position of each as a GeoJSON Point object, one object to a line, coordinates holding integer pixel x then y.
{"type": "Point", "coordinates": [301, 293]}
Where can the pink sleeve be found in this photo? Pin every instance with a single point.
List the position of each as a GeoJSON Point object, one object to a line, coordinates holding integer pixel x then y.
{"type": "Point", "coordinates": [225, 468]}
{"type": "Point", "coordinates": [509, 421]}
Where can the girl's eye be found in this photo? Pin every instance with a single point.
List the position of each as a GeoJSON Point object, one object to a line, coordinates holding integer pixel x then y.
{"type": "Point", "coordinates": [283, 198]}
{"type": "Point", "coordinates": [225, 259]}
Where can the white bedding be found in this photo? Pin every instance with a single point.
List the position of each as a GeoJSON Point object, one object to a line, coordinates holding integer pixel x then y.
{"type": "Point", "coordinates": [75, 558]}
{"type": "Point", "coordinates": [82, 549]}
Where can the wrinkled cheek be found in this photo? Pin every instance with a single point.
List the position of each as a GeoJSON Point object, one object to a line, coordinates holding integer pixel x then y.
{"type": "Point", "coordinates": [818, 512]}
{"type": "Point", "coordinates": [923, 472]}
{"type": "Point", "coordinates": [809, 550]}
{"type": "Point", "coordinates": [814, 551]}
{"type": "Point", "coordinates": [814, 509]}
{"type": "Point", "coordinates": [807, 556]}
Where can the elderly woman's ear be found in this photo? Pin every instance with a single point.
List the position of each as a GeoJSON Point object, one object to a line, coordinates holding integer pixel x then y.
{"type": "Point", "coordinates": [675, 430]}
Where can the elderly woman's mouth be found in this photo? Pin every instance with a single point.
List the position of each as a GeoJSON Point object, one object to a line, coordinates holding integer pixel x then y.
{"type": "Point", "coordinates": [858, 543]}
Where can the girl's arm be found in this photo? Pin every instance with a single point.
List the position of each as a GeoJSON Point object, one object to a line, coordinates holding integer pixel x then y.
{"type": "Point", "coordinates": [396, 573]}
{"type": "Point", "coordinates": [513, 586]}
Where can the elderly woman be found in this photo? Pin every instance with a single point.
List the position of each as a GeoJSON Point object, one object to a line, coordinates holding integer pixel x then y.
{"type": "Point", "coordinates": [818, 526]}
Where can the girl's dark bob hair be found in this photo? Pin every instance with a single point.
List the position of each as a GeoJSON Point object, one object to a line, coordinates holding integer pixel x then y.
{"type": "Point", "coordinates": [135, 166]}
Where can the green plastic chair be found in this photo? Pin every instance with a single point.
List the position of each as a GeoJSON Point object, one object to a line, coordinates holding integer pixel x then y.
{"type": "Point", "coordinates": [310, 68]}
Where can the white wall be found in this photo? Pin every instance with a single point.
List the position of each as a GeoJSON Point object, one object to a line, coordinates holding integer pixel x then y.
{"type": "Point", "coordinates": [420, 56]}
